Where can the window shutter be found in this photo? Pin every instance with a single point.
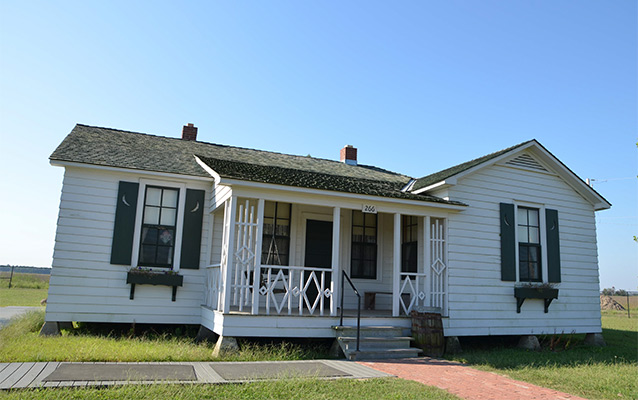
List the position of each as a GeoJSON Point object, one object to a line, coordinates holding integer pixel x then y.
{"type": "Point", "coordinates": [192, 234]}
{"type": "Point", "coordinates": [508, 244]}
{"type": "Point", "coordinates": [553, 246]}
{"type": "Point", "coordinates": [124, 228]}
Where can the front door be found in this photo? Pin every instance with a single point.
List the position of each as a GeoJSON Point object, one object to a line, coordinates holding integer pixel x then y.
{"type": "Point", "coordinates": [318, 253]}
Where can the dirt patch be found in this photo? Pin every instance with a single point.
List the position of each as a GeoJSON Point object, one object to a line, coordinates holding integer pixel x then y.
{"type": "Point", "coordinates": [607, 303]}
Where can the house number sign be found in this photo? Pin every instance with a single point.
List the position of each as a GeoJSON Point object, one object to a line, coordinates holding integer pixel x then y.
{"type": "Point", "coordinates": [369, 208]}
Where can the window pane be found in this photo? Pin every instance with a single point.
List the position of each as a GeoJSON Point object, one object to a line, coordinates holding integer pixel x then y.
{"type": "Point", "coordinates": [164, 255]}
{"type": "Point", "coordinates": [533, 216]}
{"type": "Point", "coordinates": [170, 198]}
{"type": "Point", "coordinates": [522, 234]}
{"type": "Point", "coordinates": [369, 269]}
{"type": "Point", "coordinates": [149, 235]}
{"type": "Point", "coordinates": [534, 272]}
{"type": "Point", "coordinates": [147, 255]}
{"type": "Point", "coordinates": [165, 237]}
{"type": "Point", "coordinates": [357, 234]}
{"type": "Point", "coordinates": [534, 254]}
{"type": "Point", "coordinates": [534, 235]}
{"type": "Point", "coordinates": [151, 215]}
{"type": "Point", "coordinates": [522, 216]}
{"type": "Point", "coordinates": [369, 252]}
{"type": "Point", "coordinates": [357, 218]}
{"type": "Point", "coordinates": [371, 220]}
{"type": "Point", "coordinates": [283, 210]}
{"type": "Point", "coordinates": [268, 226]}
{"type": "Point", "coordinates": [282, 228]}
{"type": "Point", "coordinates": [524, 271]}
{"type": "Point", "coordinates": [523, 253]}
{"type": "Point", "coordinates": [356, 251]}
{"type": "Point", "coordinates": [355, 268]}
{"type": "Point", "coordinates": [269, 209]}
{"type": "Point", "coordinates": [168, 216]}
{"type": "Point", "coordinates": [153, 196]}
{"type": "Point", "coordinates": [371, 235]}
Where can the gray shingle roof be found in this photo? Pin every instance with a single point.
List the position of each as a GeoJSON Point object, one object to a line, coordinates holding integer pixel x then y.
{"type": "Point", "coordinates": [449, 172]}
{"type": "Point", "coordinates": [123, 149]}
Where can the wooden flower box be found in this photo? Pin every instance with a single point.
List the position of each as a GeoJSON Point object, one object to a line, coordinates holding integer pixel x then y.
{"type": "Point", "coordinates": [143, 278]}
{"type": "Point", "coordinates": [522, 293]}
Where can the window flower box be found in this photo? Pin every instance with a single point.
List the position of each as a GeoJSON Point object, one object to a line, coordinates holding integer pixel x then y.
{"type": "Point", "coordinates": [545, 292]}
{"type": "Point", "coordinates": [146, 277]}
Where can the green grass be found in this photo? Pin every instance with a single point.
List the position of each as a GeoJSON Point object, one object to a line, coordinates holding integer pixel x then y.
{"type": "Point", "coordinates": [20, 342]}
{"type": "Point", "coordinates": [395, 389]}
{"type": "Point", "coordinates": [572, 367]}
{"type": "Point", "coordinates": [25, 281]}
{"type": "Point", "coordinates": [26, 289]}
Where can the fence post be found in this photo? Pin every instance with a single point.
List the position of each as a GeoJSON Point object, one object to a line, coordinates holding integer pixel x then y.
{"type": "Point", "coordinates": [11, 276]}
{"type": "Point", "coordinates": [628, 312]}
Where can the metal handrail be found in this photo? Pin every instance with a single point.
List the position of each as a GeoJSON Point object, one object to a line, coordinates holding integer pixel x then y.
{"type": "Point", "coordinates": [358, 305]}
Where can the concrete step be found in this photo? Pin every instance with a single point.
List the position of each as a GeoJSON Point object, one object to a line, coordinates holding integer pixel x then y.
{"type": "Point", "coordinates": [375, 342]}
{"type": "Point", "coordinates": [369, 331]}
{"type": "Point", "coordinates": [382, 354]}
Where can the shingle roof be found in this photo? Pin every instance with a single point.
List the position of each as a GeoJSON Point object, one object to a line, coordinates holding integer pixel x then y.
{"type": "Point", "coordinates": [123, 149]}
{"type": "Point", "coordinates": [315, 180]}
{"type": "Point", "coordinates": [449, 172]}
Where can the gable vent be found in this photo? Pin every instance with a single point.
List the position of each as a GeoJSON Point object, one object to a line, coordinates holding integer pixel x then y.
{"type": "Point", "coordinates": [526, 161]}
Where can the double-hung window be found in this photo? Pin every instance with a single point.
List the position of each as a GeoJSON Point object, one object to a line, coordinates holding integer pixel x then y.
{"type": "Point", "coordinates": [529, 245]}
{"type": "Point", "coordinates": [159, 227]}
{"type": "Point", "coordinates": [409, 245]}
{"type": "Point", "coordinates": [275, 248]}
{"type": "Point", "coordinates": [363, 261]}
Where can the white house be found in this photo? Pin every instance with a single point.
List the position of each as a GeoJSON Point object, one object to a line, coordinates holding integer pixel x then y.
{"type": "Point", "coordinates": [257, 242]}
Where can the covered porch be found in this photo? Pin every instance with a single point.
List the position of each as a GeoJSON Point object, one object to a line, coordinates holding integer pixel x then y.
{"type": "Point", "coordinates": [274, 260]}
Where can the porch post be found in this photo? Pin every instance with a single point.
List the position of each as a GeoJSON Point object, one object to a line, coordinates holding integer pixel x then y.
{"type": "Point", "coordinates": [336, 240]}
{"type": "Point", "coordinates": [230, 252]}
{"type": "Point", "coordinates": [427, 261]}
{"type": "Point", "coordinates": [258, 244]}
{"type": "Point", "coordinates": [396, 265]}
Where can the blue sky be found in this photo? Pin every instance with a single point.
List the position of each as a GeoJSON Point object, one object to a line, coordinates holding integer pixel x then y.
{"type": "Point", "coordinates": [416, 86]}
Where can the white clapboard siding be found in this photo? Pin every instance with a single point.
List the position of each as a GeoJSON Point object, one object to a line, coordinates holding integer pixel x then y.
{"type": "Point", "coordinates": [479, 302]}
{"type": "Point", "coordinates": [84, 285]}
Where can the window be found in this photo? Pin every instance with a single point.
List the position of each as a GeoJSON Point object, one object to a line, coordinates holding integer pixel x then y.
{"type": "Point", "coordinates": [409, 245]}
{"type": "Point", "coordinates": [529, 247]}
{"type": "Point", "coordinates": [275, 248]}
{"type": "Point", "coordinates": [363, 261]}
{"type": "Point", "coordinates": [159, 221]}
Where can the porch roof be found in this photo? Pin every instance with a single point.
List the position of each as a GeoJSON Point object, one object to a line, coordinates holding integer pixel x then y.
{"type": "Point", "coordinates": [314, 180]}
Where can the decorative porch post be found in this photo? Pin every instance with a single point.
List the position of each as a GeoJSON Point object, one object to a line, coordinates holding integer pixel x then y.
{"type": "Point", "coordinates": [231, 208]}
{"type": "Point", "coordinates": [396, 265]}
{"type": "Point", "coordinates": [258, 244]}
{"type": "Point", "coordinates": [336, 240]}
{"type": "Point", "coordinates": [427, 261]}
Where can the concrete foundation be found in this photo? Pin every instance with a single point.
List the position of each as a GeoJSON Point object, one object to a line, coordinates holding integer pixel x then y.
{"type": "Point", "coordinates": [529, 342]}
{"type": "Point", "coordinates": [595, 339]}
{"type": "Point", "coordinates": [50, 328]}
{"type": "Point", "coordinates": [225, 344]}
{"type": "Point", "coordinates": [452, 345]}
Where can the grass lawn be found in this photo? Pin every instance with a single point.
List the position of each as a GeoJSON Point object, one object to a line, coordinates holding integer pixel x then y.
{"type": "Point", "coordinates": [284, 389]}
{"type": "Point", "coordinates": [590, 372]}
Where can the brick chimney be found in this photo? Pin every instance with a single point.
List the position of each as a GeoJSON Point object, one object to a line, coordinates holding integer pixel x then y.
{"type": "Point", "coordinates": [189, 132]}
{"type": "Point", "coordinates": [349, 155]}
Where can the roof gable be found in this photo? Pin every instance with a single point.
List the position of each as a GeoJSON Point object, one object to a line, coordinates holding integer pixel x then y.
{"type": "Point", "coordinates": [517, 155]}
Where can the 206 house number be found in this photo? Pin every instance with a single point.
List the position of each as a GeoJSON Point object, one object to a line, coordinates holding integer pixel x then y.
{"type": "Point", "coordinates": [369, 208]}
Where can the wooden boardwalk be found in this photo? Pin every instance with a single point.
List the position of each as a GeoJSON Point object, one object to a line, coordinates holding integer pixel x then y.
{"type": "Point", "coordinates": [34, 374]}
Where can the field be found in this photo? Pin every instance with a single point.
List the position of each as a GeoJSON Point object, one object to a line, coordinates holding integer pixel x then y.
{"type": "Point", "coordinates": [26, 289]}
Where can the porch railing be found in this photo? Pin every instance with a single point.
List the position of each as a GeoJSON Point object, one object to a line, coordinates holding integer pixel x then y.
{"type": "Point", "coordinates": [413, 286]}
{"type": "Point", "coordinates": [213, 286]}
{"type": "Point", "coordinates": [344, 276]}
{"type": "Point", "coordinates": [283, 289]}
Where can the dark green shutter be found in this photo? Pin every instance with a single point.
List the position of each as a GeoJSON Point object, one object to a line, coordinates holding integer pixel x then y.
{"type": "Point", "coordinates": [553, 246]}
{"type": "Point", "coordinates": [508, 243]}
{"type": "Point", "coordinates": [124, 227]}
{"type": "Point", "coordinates": [192, 236]}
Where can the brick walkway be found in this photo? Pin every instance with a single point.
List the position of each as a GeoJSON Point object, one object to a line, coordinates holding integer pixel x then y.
{"type": "Point", "coordinates": [465, 382]}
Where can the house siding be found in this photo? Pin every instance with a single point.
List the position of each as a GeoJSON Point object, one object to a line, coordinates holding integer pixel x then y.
{"type": "Point", "coordinates": [479, 302]}
{"type": "Point", "coordinates": [84, 286]}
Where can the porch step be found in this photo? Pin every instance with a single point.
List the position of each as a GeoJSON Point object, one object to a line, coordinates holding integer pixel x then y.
{"type": "Point", "coordinates": [382, 354]}
{"type": "Point", "coordinates": [376, 342]}
{"type": "Point", "coordinates": [369, 331]}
